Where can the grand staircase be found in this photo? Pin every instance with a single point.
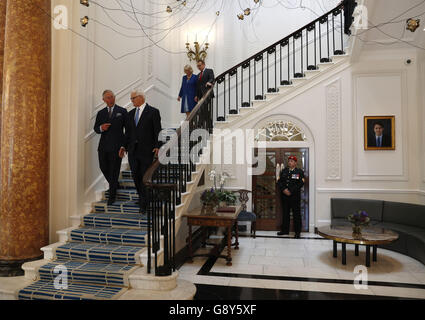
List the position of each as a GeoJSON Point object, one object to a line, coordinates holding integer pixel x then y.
{"type": "Point", "coordinates": [114, 252]}
{"type": "Point", "coordinates": [104, 257]}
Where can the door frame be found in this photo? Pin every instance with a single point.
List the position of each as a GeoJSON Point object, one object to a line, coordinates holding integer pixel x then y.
{"type": "Point", "coordinates": [274, 224]}
{"type": "Point", "coordinates": [309, 144]}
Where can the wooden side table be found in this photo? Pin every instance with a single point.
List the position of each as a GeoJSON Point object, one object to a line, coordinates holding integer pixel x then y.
{"type": "Point", "coordinates": [221, 219]}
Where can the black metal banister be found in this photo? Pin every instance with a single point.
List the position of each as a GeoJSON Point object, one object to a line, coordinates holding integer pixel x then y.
{"type": "Point", "coordinates": [165, 182]}
{"type": "Point", "coordinates": [339, 7]}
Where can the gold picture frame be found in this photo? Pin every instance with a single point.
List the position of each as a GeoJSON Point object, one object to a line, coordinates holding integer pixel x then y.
{"type": "Point", "coordinates": [379, 132]}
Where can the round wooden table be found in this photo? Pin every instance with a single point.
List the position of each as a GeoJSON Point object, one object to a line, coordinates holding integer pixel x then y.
{"type": "Point", "coordinates": [371, 236]}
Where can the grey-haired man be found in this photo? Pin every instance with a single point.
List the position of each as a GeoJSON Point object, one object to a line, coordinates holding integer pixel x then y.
{"type": "Point", "coordinates": [110, 123]}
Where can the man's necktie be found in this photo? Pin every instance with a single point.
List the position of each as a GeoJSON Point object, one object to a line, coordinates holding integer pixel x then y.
{"type": "Point", "coordinates": [200, 76]}
{"type": "Point", "coordinates": [379, 143]}
{"type": "Point", "coordinates": [136, 119]}
{"type": "Point", "coordinates": [110, 113]}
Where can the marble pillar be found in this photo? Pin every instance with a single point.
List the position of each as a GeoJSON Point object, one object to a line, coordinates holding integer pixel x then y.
{"type": "Point", "coordinates": [24, 181]}
{"type": "Point", "coordinates": [2, 27]}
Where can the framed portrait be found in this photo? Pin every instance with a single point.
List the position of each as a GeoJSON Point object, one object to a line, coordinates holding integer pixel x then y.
{"type": "Point", "coordinates": [379, 132]}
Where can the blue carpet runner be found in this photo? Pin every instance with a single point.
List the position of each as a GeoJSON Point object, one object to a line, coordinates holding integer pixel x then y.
{"type": "Point", "coordinates": [101, 253]}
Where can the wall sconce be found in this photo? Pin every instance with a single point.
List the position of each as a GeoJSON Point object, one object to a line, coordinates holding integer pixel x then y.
{"type": "Point", "coordinates": [197, 53]}
{"type": "Point", "coordinates": [84, 2]}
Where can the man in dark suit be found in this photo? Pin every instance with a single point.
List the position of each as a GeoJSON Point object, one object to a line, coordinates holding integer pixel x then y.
{"type": "Point", "coordinates": [142, 129]}
{"type": "Point", "coordinates": [110, 123]}
{"type": "Point", "coordinates": [205, 80]}
{"type": "Point", "coordinates": [379, 139]}
{"type": "Point", "coordinates": [349, 7]}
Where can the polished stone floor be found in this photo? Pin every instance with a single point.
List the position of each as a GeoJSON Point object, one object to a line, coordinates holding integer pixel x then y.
{"type": "Point", "coordinates": [272, 267]}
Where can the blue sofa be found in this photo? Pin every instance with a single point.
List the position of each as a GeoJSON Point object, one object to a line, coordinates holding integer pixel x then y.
{"type": "Point", "coordinates": [408, 220]}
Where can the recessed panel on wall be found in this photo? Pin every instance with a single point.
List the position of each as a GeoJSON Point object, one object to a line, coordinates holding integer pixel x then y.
{"type": "Point", "coordinates": [379, 96]}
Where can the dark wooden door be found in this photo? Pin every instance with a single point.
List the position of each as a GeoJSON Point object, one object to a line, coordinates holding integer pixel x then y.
{"type": "Point", "coordinates": [267, 202]}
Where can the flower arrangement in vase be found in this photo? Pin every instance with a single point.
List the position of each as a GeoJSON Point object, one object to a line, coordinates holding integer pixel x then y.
{"type": "Point", "coordinates": [210, 201]}
{"type": "Point", "coordinates": [358, 220]}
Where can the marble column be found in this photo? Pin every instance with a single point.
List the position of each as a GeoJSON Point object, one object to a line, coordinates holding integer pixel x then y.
{"type": "Point", "coordinates": [24, 182]}
{"type": "Point", "coordinates": [2, 27]}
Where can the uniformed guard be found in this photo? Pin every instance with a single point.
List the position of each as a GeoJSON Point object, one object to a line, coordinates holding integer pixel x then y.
{"type": "Point", "coordinates": [290, 183]}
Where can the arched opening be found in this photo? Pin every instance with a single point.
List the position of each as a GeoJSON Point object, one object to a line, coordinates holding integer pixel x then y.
{"type": "Point", "coordinates": [284, 136]}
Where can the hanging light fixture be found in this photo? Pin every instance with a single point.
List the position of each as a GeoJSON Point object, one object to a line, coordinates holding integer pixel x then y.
{"type": "Point", "coordinates": [412, 24]}
{"type": "Point", "coordinates": [84, 21]}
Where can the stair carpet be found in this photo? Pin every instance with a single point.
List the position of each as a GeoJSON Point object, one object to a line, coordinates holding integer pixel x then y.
{"type": "Point", "coordinates": [100, 254]}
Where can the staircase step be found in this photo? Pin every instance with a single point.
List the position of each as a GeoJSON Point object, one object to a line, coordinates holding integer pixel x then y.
{"type": "Point", "coordinates": [116, 236]}
{"type": "Point", "coordinates": [45, 290]}
{"type": "Point", "coordinates": [89, 272]}
{"type": "Point", "coordinates": [117, 207]}
{"type": "Point", "coordinates": [126, 174]}
{"type": "Point", "coordinates": [106, 253]}
{"type": "Point", "coordinates": [115, 220]}
{"type": "Point", "coordinates": [127, 183]}
{"type": "Point", "coordinates": [123, 195]}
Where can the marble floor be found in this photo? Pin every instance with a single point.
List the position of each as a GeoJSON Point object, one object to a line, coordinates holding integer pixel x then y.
{"type": "Point", "coordinates": [272, 267]}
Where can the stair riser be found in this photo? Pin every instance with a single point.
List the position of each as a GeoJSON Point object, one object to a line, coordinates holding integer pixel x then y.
{"type": "Point", "coordinates": [98, 255]}
{"type": "Point", "coordinates": [122, 196]}
{"type": "Point", "coordinates": [104, 208]}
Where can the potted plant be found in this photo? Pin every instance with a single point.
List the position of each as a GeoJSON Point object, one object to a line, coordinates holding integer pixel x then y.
{"type": "Point", "coordinates": [210, 201]}
{"type": "Point", "coordinates": [226, 198]}
{"type": "Point", "coordinates": [358, 220]}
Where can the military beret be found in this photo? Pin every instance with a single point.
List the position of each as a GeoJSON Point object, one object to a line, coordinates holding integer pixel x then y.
{"type": "Point", "coordinates": [293, 158]}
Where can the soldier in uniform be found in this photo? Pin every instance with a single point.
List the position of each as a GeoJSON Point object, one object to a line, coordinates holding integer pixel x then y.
{"type": "Point", "coordinates": [290, 183]}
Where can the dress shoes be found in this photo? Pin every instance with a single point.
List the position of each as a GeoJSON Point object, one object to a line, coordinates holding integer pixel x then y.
{"type": "Point", "coordinates": [297, 236]}
{"type": "Point", "coordinates": [111, 201]}
{"type": "Point", "coordinates": [281, 233]}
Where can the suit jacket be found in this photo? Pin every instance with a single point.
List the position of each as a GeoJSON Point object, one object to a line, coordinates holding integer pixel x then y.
{"type": "Point", "coordinates": [141, 140]}
{"type": "Point", "coordinates": [112, 139]}
{"type": "Point", "coordinates": [291, 180]}
{"type": "Point", "coordinates": [207, 76]}
{"type": "Point", "coordinates": [386, 141]}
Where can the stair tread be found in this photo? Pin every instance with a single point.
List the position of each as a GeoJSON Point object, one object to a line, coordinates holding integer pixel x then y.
{"type": "Point", "coordinates": [91, 272]}
{"type": "Point", "coordinates": [115, 220]}
{"type": "Point", "coordinates": [46, 290]}
{"type": "Point", "coordinates": [122, 236]}
{"type": "Point", "coordinates": [110, 253]}
{"type": "Point", "coordinates": [119, 206]}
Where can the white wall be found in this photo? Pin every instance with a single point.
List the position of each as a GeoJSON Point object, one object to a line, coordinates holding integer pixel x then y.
{"type": "Point", "coordinates": [379, 84]}
{"type": "Point", "coordinates": [421, 117]}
